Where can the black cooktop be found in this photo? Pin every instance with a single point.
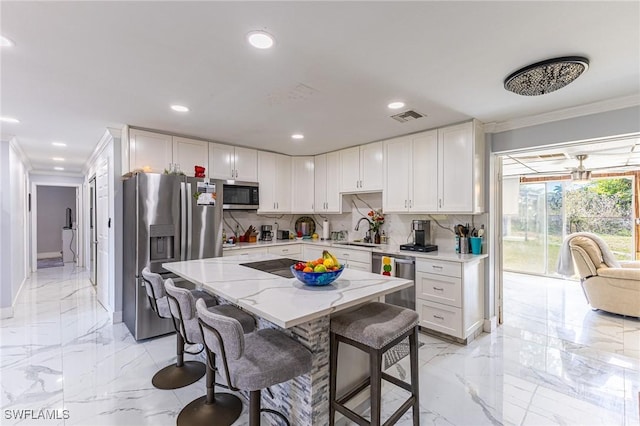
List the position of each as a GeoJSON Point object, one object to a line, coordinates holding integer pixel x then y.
{"type": "Point", "coordinates": [280, 267]}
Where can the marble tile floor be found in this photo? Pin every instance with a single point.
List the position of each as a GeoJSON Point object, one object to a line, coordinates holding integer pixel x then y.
{"type": "Point", "coordinates": [554, 361]}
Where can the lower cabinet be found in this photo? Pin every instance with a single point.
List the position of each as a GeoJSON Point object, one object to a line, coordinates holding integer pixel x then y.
{"type": "Point", "coordinates": [290, 250]}
{"type": "Point", "coordinates": [354, 259]}
{"type": "Point", "coordinates": [244, 251]}
{"type": "Point", "coordinates": [450, 296]}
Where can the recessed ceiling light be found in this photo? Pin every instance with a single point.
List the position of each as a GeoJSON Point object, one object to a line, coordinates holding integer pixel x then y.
{"type": "Point", "coordinates": [58, 144]}
{"type": "Point", "coordinates": [260, 39]}
{"type": "Point", "coordinates": [9, 120]}
{"type": "Point", "coordinates": [179, 108]}
{"type": "Point", "coordinates": [58, 168]}
{"type": "Point", "coordinates": [58, 159]}
{"type": "Point", "coordinates": [395, 105]}
{"type": "Point", "coordinates": [5, 42]}
{"type": "Point", "coordinates": [297, 136]}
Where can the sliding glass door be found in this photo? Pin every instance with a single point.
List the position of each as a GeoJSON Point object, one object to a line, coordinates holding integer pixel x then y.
{"type": "Point", "coordinates": [538, 215]}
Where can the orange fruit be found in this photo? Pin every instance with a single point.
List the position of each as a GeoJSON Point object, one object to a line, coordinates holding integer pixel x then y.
{"type": "Point", "coordinates": [307, 269]}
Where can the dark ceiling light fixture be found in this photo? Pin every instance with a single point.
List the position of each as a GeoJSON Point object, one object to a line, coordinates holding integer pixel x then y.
{"type": "Point", "coordinates": [580, 174]}
{"type": "Point", "coordinates": [546, 76]}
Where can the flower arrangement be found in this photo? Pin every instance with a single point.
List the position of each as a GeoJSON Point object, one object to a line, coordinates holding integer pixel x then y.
{"type": "Point", "coordinates": [376, 219]}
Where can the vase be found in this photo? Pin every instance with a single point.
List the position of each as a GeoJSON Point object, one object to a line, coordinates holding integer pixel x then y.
{"type": "Point", "coordinates": [376, 237]}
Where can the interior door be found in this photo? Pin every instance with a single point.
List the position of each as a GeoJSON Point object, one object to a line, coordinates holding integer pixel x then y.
{"type": "Point", "coordinates": [93, 235]}
{"type": "Point", "coordinates": [102, 232]}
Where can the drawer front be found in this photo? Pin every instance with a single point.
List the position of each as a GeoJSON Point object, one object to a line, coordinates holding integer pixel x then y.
{"type": "Point", "coordinates": [312, 252]}
{"type": "Point", "coordinates": [244, 252]}
{"type": "Point", "coordinates": [344, 255]}
{"type": "Point", "coordinates": [439, 288]}
{"type": "Point", "coordinates": [442, 318]}
{"type": "Point", "coordinates": [452, 269]}
{"type": "Point", "coordinates": [288, 250]}
{"type": "Point", "coordinates": [360, 266]}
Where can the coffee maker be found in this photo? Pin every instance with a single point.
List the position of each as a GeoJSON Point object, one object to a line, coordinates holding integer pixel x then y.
{"type": "Point", "coordinates": [265, 233]}
{"type": "Point", "coordinates": [421, 230]}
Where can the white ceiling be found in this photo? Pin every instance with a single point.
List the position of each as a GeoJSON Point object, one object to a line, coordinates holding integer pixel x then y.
{"type": "Point", "coordinates": [79, 67]}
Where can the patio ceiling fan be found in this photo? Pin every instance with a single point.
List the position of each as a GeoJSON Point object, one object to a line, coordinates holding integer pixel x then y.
{"type": "Point", "coordinates": [580, 174]}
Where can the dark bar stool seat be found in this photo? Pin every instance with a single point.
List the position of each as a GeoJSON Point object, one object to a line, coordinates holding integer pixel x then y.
{"type": "Point", "coordinates": [182, 373]}
{"type": "Point", "coordinates": [254, 361]}
{"type": "Point", "coordinates": [374, 328]}
{"type": "Point", "coordinates": [212, 408]}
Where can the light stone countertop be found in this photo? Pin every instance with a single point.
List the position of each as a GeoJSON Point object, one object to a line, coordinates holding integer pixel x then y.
{"type": "Point", "coordinates": [382, 248]}
{"type": "Point", "coordinates": [285, 302]}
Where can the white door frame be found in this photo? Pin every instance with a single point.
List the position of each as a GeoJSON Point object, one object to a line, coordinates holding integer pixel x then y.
{"type": "Point", "coordinates": [33, 267]}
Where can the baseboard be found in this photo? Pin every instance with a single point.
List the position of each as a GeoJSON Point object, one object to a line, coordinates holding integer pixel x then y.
{"type": "Point", "coordinates": [490, 324]}
{"type": "Point", "coordinates": [8, 311]}
{"type": "Point", "coordinates": [116, 317]}
{"type": "Point", "coordinates": [49, 255]}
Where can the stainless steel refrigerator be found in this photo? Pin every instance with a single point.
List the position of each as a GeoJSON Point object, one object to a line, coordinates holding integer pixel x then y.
{"type": "Point", "coordinates": [164, 222]}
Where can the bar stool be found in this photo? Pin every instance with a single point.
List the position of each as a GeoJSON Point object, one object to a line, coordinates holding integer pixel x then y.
{"type": "Point", "coordinates": [182, 373]}
{"type": "Point", "coordinates": [222, 408]}
{"type": "Point", "coordinates": [254, 361]}
{"type": "Point", "coordinates": [374, 328]}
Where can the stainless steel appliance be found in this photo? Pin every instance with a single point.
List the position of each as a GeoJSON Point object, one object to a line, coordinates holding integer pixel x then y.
{"type": "Point", "coordinates": [164, 223]}
{"type": "Point", "coordinates": [405, 268]}
{"type": "Point", "coordinates": [283, 234]}
{"type": "Point", "coordinates": [266, 234]}
{"type": "Point", "coordinates": [240, 195]}
{"type": "Point", "coordinates": [421, 237]}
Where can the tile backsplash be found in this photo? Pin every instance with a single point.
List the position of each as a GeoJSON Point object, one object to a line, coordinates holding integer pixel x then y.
{"type": "Point", "coordinates": [396, 226]}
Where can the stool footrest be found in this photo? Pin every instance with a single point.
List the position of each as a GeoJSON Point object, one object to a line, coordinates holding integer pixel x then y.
{"type": "Point", "coordinates": [397, 382]}
{"type": "Point", "coordinates": [400, 411]}
{"type": "Point", "coordinates": [356, 390]}
{"type": "Point", "coordinates": [350, 414]}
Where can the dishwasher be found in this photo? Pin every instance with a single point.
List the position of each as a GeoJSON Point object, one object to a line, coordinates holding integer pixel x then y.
{"type": "Point", "coordinates": [405, 268]}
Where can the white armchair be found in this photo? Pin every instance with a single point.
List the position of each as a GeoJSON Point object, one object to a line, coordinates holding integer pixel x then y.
{"type": "Point", "coordinates": [610, 289]}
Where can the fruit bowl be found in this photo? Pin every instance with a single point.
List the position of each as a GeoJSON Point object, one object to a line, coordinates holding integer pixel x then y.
{"type": "Point", "coordinates": [316, 278]}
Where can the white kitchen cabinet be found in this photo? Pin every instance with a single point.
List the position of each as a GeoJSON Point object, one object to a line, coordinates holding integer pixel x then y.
{"type": "Point", "coordinates": [361, 168]}
{"type": "Point", "coordinates": [189, 153]}
{"type": "Point", "coordinates": [153, 152]}
{"type": "Point", "coordinates": [302, 184]}
{"type": "Point", "coordinates": [294, 250]}
{"type": "Point", "coordinates": [440, 170]}
{"type": "Point", "coordinates": [410, 173]}
{"type": "Point", "coordinates": [149, 151]}
{"type": "Point", "coordinates": [327, 183]}
{"type": "Point", "coordinates": [233, 162]}
{"type": "Point", "coordinates": [450, 297]}
{"type": "Point", "coordinates": [354, 259]}
{"type": "Point", "coordinates": [251, 251]}
{"type": "Point", "coordinates": [274, 176]}
{"type": "Point", "coordinates": [461, 171]}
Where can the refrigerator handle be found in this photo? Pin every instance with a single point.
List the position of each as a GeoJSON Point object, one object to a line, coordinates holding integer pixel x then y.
{"type": "Point", "coordinates": [183, 222]}
{"type": "Point", "coordinates": [189, 221]}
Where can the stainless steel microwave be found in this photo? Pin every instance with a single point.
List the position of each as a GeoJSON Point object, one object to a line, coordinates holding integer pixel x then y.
{"type": "Point", "coordinates": [240, 195]}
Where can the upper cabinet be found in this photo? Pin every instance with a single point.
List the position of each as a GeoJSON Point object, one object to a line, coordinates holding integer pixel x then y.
{"type": "Point", "coordinates": [461, 150]}
{"type": "Point", "coordinates": [189, 153]}
{"type": "Point", "coordinates": [153, 152]}
{"type": "Point", "coordinates": [361, 168]}
{"type": "Point", "coordinates": [410, 173]}
{"type": "Point", "coordinates": [436, 171]}
{"type": "Point", "coordinates": [233, 162]}
{"type": "Point", "coordinates": [327, 182]}
{"type": "Point", "coordinates": [302, 184]}
{"type": "Point", "coordinates": [274, 176]}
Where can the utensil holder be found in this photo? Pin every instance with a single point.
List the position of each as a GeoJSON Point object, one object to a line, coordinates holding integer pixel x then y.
{"type": "Point", "coordinates": [476, 245]}
{"type": "Point", "coordinates": [464, 245]}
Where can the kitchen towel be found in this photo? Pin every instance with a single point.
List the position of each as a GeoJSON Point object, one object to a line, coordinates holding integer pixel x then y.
{"type": "Point", "coordinates": [388, 266]}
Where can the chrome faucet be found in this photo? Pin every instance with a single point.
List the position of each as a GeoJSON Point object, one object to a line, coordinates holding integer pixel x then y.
{"type": "Point", "coordinates": [361, 219]}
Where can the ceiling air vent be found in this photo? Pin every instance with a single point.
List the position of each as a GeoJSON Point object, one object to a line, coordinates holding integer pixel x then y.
{"type": "Point", "coordinates": [410, 115]}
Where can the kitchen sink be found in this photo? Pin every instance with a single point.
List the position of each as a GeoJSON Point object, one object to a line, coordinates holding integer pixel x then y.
{"type": "Point", "coordinates": [358, 244]}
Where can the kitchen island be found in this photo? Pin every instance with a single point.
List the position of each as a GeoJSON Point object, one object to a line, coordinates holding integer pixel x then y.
{"type": "Point", "coordinates": [301, 311]}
